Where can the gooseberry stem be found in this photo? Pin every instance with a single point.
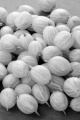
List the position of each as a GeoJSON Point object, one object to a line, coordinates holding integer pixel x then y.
{"type": "Point", "coordinates": [64, 112]}
{"type": "Point", "coordinates": [48, 104]}
{"type": "Point", "coordinates": [37, 113]}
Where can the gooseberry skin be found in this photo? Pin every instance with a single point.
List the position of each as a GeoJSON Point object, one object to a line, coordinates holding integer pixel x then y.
{"type": "Point", "coordinates": [56, 83]}
{"type": "Point", "coordinates": [30, 60]}
{"type": "Point", "coordinates": [75, 69]}
{"type": "Point", "coordinates": [35, 48]}
{"type": "Point", "coordinates": [10, 20]}
{"type": "Point", "coordinates": [50, 51]}
{"type": "Point", "coordinates": [3, 71]}
{"type": "Point", "coordinates": [13, 39]}
{"type": "Point", "coordinates": [27, 8]}
{"type": "Point", "coordinates": [63, 40]}
{"type": "Point", "coordinates": [35, 35]}
{"type": "Point", "coordinates": [76, 37]}
{"type": "Point", "coordinates": [9, 42]}
{"type": "Point", "coordinates": [41, 93]}
{"type": "Point", "coordinates": [40, 22]}
{"type": "Point", "coordinates": [46, 65]}
{"type": "Point", "coordinates": [75, 104]}
{"type": "Point", "coordinates": [57, 66]}
{"type": "Point", "coordinates": [73, 22]}
{"type": "Point", "coordinates": [72, 87]}
{"type": "Point", "coordinates": [5, 57]}
{"type": "Point", "coordinates": [27, 104]}
{"type": "Point", "coordinates": [18, 50]}
{"type": "Point", "coordinates": [40, 74]}
{"type": "Point", "coordinates": [25, 40]}
{"type": "Point", "coordinates": [28, 80]}
{"type": "Point", "coordinates": [59, 101]}
{"type": "Point", "coordinates": [76, 28]}
{"type": "Point", "coordinates": [74, 55]}
{"type": "Point", "coordinates": [3, 14]}
{"type": "Point", "coordinates": [22, 23]}
{"type": "Point", "coordinates": [9, 67]}
{"type": "Point", "coordinates": [60, 15]}
{"type": "Point", "coordinates": [18, 33]}
{"type": "Point", "coordinates": [6, 30]}
{"type": "Point", "coordinates": [19, 69]}
{"type": "Point", "coordinates": [30, 28]}
{"type": "Point", "coordinates": [41, 41]}
{"type": "Point", "coordinates": [49, 34]}
{"type": "Point", "coordinates": [10, 81]}
{"type": "Point", "coordinates": [22, 89]}
{"type": "Point", "coordinates": [47, 5]}
{"type": "Point", "coordinates": [8, 98]}
{"type": "Point", "coordinates": [62, 27]}
{"type": "Point", "coordinates": [23, 54]}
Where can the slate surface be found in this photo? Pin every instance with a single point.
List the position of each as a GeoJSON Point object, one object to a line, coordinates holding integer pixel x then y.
{"type": "Point", "coordinates": [46, 113]}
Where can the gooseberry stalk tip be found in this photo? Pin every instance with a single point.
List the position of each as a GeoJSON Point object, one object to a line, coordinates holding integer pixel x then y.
{"type": "Point", "coordinates": [37, 113]}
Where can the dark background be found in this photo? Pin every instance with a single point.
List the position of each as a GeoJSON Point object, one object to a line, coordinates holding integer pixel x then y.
{"type": "Point", "coordinates": [46, 113]}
